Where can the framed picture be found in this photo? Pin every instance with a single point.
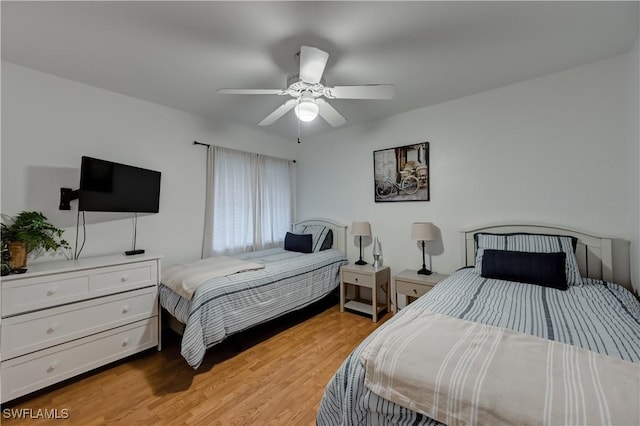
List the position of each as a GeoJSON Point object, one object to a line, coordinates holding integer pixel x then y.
{"type": "Point", "coordinates": [402, 173]}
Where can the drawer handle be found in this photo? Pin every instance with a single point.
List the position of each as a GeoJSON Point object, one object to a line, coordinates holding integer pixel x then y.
{"type": "Point", "coordinates": [124, 278]}
{"type": "Point", "coordinates": [52, 366]}
{"type": "Point", "coordinates": [125, 309]}
{"type": "Point", "coordinates": [53, 327]}
{"type": "Point", "coordinates": [356, 280]}
{"type": "Point", "coordinates": [125, 341]}
{"type": "Point", "coordinates": [52, 291]}
{"type": "Point", "coordinates": [415, 291]}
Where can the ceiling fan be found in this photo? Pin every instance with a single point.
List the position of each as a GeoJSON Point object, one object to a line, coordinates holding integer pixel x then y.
{"type": "Point", "coordinates": [307, 88]}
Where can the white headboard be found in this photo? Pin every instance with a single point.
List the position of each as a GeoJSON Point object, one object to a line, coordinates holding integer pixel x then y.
{"type": "Point", "coordinates": [593, 253]}
{"type": "Point", "coordinates": [339, 231]}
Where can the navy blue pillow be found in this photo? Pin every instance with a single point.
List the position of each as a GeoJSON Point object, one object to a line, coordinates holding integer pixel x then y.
{"type": "Point", "coordinates": [545, 269]}
{"type": "Point", "coordinates": [302, 243]}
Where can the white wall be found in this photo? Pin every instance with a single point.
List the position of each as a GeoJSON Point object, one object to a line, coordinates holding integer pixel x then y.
{"type": "Point", "coordinates": [551, 150]}
{"type": "Point", "coordinates": [634, 158]}
{"type": "Point", "coordinates": [554, 149]}
{"type": "Point", "coordinates": [48, 123]}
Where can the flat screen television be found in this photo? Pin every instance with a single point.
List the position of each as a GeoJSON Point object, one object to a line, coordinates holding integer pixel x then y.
{"type": "Point", "coordinates": [106, 186]}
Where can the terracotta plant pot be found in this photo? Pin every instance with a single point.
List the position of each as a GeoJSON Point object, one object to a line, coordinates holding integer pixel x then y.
{"type": "Point", "coordinates": [18, 254]}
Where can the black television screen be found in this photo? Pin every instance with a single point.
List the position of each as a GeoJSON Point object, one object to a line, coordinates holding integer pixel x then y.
{"type": "Point", "coordinates": [106, 186]}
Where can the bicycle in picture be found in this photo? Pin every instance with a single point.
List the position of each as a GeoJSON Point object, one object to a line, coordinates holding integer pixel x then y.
{"type": "Point", "coordinates": [409, 184]}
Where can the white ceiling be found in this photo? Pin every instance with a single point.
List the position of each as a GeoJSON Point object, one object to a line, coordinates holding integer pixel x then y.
{"type": "Point", "coordinates": [178, 53]}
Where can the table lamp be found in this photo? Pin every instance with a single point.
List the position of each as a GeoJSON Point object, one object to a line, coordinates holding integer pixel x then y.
{"type": "Point", "coordinates": [361, 229]}
{"type": "Point", "coordinates": [423, 231]}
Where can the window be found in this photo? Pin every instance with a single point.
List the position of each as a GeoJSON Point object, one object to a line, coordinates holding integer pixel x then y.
{"type": "Point", "coordinates": [250, 201]}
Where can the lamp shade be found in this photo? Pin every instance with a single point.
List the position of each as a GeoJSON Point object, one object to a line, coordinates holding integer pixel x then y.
{"type": "Point", "coordinates": [423, 231]}
{"type": "Point", "coordinates": [362, 229]}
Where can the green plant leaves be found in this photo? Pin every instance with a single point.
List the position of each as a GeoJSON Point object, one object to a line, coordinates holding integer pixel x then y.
{"type": "Point", "coordinates": [34, 229]}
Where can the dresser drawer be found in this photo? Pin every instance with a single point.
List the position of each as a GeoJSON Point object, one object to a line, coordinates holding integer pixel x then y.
{"type": "Point", "coordinates": [31, 372]}
{"type": "Point", "coordinates": [27, 294]}
{"type": "Point", "coordinates": [411, 289]}
{"type": "Point", "coordinates": [124, 277]}
{"type": "Point", "coordinates": [41, 292]}
{"type": "Point", "coordinates": [27, 333]}
{"type": "Point", "coordinates": [364, 280]}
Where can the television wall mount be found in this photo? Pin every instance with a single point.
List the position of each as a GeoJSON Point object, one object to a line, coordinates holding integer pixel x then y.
{"type": "Point", "coordinates": [66, 196]}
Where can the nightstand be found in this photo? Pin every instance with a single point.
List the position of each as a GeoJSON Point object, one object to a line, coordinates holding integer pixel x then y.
{"type": "Point", "coordinates": [413, 285]}
{"type": "Point", "coordinates": [365, 276]}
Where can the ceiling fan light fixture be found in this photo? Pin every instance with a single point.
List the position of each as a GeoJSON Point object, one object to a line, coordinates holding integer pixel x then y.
{"type": "Point", "coordinates": [307, 109]}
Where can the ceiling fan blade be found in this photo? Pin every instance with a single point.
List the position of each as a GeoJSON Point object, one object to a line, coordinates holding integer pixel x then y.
{"type": "Point", "coordinates": [329, 113]}
{"type": "Point", "coordinates": [251, 91]}
{"type": "Point", "coordinates": [368, 91]}
{"type": "Point", "coordinates": [312, 63]}
{"type": "Point", "coordinates": [279, 112]}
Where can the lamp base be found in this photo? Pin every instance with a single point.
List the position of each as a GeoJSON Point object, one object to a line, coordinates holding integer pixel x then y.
{"type": "Point", "coordinates": [424, 271]}
{"type": "Point", "coordinates": [360, 262]}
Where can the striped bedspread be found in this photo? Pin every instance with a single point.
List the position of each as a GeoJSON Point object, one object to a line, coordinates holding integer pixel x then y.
{"type": "Point", "coordinates": [601, 317]}
{"type": "Point", "coordinates": [226, 305]}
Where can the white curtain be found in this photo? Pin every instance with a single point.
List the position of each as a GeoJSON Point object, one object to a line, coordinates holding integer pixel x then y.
{"type": "Point", "coordinates": [275, 200]}
{"type": "Point", "coordinates": [250, 201]}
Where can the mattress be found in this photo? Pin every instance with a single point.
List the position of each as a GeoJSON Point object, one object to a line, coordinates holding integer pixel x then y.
{"type": "Point", "coordinates": [227, 305]}
{"type": "Point", "coordinates": [594, 315]}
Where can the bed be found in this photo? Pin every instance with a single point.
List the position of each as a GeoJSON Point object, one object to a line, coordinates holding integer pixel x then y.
{"type": "Point", "coordinates": [282, 281]}
{"type": "Point", "coordinates": [542, 330]}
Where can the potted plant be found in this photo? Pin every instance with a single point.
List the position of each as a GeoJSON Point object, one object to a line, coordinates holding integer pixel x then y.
{"type": "Point", "coordinates": [5, 260]}
{"type": "Point", "coordinates": [28, 232]}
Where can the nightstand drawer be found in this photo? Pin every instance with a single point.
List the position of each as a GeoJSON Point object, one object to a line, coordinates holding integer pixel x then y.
{"type": "Point", "coordinates": [412, 289]}
{"type": "Point", "coordinates": [413, 285]}
{"type": "Point", "coordinates": [363, 280]}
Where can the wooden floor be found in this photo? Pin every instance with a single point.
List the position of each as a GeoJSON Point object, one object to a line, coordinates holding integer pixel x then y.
{"type": "Point", "coordinates": [274, 374]}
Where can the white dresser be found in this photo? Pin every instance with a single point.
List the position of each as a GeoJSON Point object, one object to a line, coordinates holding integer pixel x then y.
{"type": "Point", "coordinates": [60, 319]}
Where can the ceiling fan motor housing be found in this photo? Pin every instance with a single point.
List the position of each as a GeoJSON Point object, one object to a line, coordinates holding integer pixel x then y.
{"type": "Point", "coordinates": [295, 86]}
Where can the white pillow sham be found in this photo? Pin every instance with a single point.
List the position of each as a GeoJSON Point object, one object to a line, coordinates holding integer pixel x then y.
{"type": "Point", "coordinates": [319, 234]}
{"type": "Point", "coordinates": [533, 243]}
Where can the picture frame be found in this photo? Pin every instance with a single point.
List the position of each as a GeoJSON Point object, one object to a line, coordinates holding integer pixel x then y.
{"type": "Point", "coordinates": [401, 173]}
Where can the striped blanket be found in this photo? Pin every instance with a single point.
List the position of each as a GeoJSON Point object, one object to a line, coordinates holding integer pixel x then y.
{"type": "Point", "coordinates": [465, 373]}
{"type": "Point", "coordinates": [601, 317]}
{"type": "Point", "coordinates": [226, 305]}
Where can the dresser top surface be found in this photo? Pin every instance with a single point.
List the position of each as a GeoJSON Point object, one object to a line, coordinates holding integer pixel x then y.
{"type": "Point", "coordinates": [61, 266]}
